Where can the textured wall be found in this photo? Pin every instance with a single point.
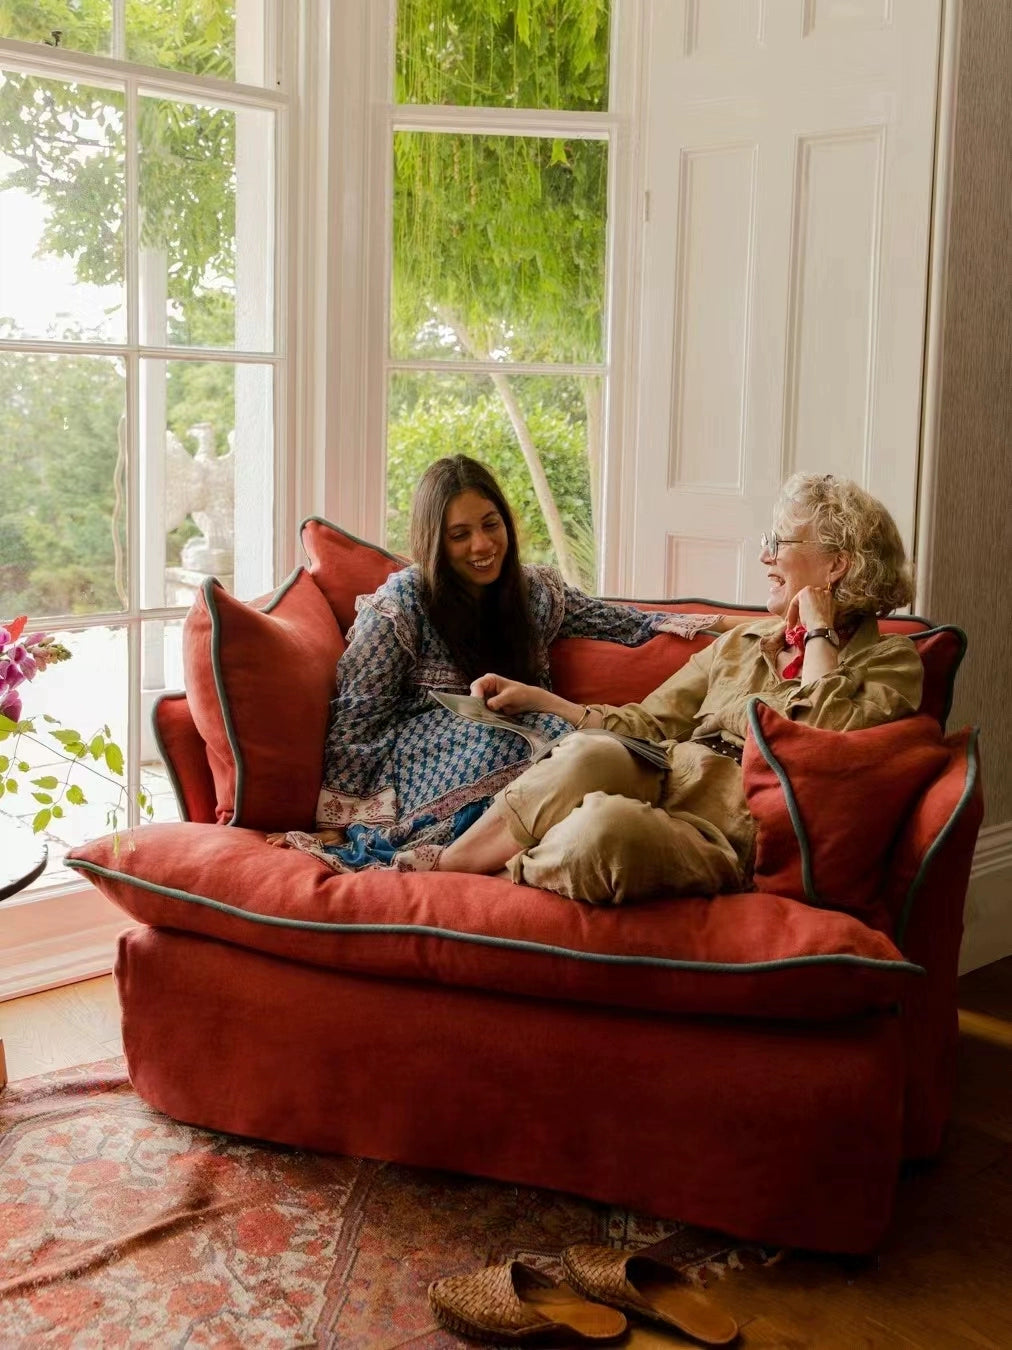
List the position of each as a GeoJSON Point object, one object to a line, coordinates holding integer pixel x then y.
{"type": "Point", "coordinates": [971, 561]}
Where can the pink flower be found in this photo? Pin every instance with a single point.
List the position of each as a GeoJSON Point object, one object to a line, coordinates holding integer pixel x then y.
{"type": "Point", "coordinates": [10, 704]}
{"type": "Point", "coordinates": [22, 659]}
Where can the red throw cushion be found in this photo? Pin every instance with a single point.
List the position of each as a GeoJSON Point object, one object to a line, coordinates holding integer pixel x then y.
{"type": "Point", "coordinates": [829, 805]}
{"type": "Point", "coordinates": [749, 955]}
{"type": "Point", "coordinates": [345, 567]}
{"type": "Point", "coordinates": [259, 684]}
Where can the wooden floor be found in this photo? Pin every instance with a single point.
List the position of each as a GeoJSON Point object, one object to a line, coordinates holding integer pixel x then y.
{"type": "Point", "coordinates": [942, 1280]}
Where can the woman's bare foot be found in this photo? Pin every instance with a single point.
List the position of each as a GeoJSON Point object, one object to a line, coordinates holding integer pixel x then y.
{"type": "Point", "coordinates": [280, 840]}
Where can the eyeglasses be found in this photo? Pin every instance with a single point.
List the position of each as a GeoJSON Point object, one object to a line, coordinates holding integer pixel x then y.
{"type": "Point", "coordinates": [771, 543]}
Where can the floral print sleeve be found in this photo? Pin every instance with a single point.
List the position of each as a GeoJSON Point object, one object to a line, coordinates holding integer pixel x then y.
{"type": "Point", "coordinates": [589, 616]}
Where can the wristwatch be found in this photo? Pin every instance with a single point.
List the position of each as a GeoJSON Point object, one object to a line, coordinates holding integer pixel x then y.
{"type": "Point", "coordinates": [830, 634]}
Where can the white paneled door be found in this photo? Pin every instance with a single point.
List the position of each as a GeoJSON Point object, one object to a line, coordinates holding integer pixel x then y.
{"type": "Point", "coordinates": [788, 166]}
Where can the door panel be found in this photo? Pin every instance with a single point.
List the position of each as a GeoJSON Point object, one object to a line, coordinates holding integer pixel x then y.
{"type": "Point", "coordinates": [788, 160]}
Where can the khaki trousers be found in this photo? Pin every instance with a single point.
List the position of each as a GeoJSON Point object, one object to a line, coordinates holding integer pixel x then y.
{"type": "Point", "coordinates": [597, 823]}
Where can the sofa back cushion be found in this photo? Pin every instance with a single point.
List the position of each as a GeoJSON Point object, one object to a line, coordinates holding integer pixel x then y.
{"type": "Point", "coordinates": [259, 682]}
{"type": "Point", "coordinates": [587, 670]}
{"type": "Point", "coordinates": [590, 671]}
{"type": "Point", "coordinates": [829, 805]}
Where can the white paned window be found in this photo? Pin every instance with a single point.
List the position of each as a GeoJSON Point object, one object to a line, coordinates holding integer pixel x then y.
{"type": "Point", "coordinates": [495, 169]}
{"type": "Point", "coordinates": [142, 354]}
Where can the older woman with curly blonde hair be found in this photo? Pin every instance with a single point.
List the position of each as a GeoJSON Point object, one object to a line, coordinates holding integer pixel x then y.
{"type": "Point", "coordinates": [595, 822]}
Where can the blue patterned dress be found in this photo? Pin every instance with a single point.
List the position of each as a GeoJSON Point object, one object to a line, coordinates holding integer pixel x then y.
{"type": "Point", "coordinates": [398, 768]}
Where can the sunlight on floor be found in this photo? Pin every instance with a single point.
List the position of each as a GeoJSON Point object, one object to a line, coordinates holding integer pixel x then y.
{"type": "Point", "coordinates": [985, 1028]}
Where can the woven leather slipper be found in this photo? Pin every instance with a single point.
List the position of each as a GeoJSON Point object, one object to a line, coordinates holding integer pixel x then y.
{"type": "Point", "coordinates": [650, 1288]}
{"type": "Point", "coordinates": [515, 1302]}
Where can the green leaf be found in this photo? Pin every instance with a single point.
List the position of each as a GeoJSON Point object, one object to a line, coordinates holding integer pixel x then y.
{"type": "Point", "coordinates": [6, 726]}
{"type": "Point", "coordinates": [47, 783]}
{"type": "Point", "coordinates": [43, 798]}
{"type": "Point", "coordinates": [57, 812]}
{"type": "Point", "coordinates": [4, 763]}
{"type": "Point", "coordinates": [97, 747]}
{"type": "Point", "coordinates": [114, 757]}
{"type": "Point", "coordinates": [75, 796]}
{"type": "Point", "coordinates": [41, 820]}
{"type": "Point", "coordinates": [65, 736]}
{"type": "Point", "coordinates": [12, 785]}
{"type": "Point", "coordinates": [23, 766]}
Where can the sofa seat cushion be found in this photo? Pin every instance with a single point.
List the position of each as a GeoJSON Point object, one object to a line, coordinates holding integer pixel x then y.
{"type": "Point", "coordinates": [747, 955]}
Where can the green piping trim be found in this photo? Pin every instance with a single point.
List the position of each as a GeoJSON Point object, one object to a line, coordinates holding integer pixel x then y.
{"type": "Point", "coordinates": [207, 590]}
{"type": "Point", "coordinates": [322, 520]}
{"type": "Point", "coordinates": [484, 940]}
{"type": "Point", "coordinates": [752, 609]}
{"type": "Point", "coordinates": [177, 786]}
{"type": "Point", "coordinates": [943, 834]}
{"type": "Point", "coordinates": [792, 803]}
{"type": "Point", "coordinates": [961, 636]}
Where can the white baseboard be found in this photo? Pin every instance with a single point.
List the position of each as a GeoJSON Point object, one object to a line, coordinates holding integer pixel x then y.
{"type": "Point", "coordinates": [987, 920]}
{"type": "Point", "coordinates": [57, 939]}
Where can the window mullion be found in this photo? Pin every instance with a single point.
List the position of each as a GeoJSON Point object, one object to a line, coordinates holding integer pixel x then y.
{"type": "Point", "coordinates": [118, 35]}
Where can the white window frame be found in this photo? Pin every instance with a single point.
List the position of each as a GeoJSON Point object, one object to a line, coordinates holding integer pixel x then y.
{"type": "Point", "coordinates": [354, 476]}
{"type": "Point", "coordinates": [65, 931]}
{"type": "Point", "coordinates": [333, 96]}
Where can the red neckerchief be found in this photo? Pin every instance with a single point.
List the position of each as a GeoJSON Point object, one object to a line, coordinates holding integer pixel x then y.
{"type": "Point", "coordinates": [795, 637]}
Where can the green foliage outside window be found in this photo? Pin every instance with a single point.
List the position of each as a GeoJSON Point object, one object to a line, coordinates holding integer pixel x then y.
{"type": "Point", "coordinates": [505, 259]}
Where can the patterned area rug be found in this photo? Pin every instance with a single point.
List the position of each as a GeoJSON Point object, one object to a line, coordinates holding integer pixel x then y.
{"type": "Point", "coordinates": [120, 1227]}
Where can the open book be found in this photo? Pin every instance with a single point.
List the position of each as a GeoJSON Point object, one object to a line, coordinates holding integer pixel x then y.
{"type": "Point", "coordinates": [476, 710]}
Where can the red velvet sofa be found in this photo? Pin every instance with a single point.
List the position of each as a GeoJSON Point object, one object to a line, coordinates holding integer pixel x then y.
{"type": "Point", "coordinates": [760, 1063]}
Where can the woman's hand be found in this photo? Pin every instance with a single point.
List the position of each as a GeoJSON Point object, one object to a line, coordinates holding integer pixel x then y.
{"type": "Point", "coordinates": [814, 607]}
{"type": "Point", "coordinates": [510, 696]}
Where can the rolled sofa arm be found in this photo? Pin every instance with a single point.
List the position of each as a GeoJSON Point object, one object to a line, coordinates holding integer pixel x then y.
{"type": "Point", "coordinates": [182, 748]}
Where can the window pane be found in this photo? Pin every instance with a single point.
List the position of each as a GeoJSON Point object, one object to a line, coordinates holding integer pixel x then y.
{"type": "Point", "coordinates": [85, 694]}
{"type": "Point", "coordinates": [560, 419]}
{"type": "Point", "coordinates": [539, 54]}
{"type": "Point", "coordinates": [83, 27]}
{"type": "Point", "coordinates": [207, 225]}
{"type": "Point", "coordinates": [207, 444]}
{"type": "Point", "coordinates": [499, 247]}
{"type": "Point", "coordinates": [62, 193]}
{"type": "Point", "coordinates": [195, 36]}
{"type": "Point", "coordinates": [63, 503]}
{"type": "Point", "coordinates": [161, 670]}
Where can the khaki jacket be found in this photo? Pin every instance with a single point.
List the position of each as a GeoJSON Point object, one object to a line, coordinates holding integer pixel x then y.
{"type": "Point", "coordinates": [878, 679]}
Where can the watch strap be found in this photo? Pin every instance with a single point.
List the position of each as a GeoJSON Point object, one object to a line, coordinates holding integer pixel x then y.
{"type": "Point", "coordinates": [830, 634]}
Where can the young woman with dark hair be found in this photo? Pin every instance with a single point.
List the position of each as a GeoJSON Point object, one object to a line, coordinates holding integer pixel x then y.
{"type": "Point", "coordinates": [399, 768]}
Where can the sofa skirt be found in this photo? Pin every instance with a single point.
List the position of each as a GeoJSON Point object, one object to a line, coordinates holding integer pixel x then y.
{"type": "Point", "coordinates": [780, 1132]}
